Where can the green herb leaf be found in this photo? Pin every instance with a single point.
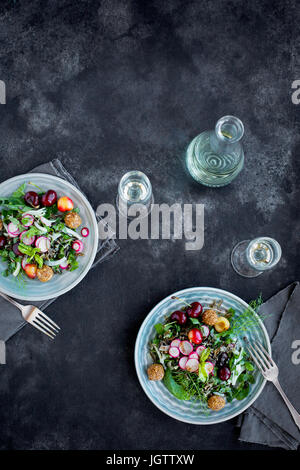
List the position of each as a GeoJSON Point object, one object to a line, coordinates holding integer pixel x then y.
{"type": "Point", "coordinates": [177, 390]}
{"type": "Point", "coordinates": [159, 328]}
{"type": "Point", "coordinates": [20, 192]}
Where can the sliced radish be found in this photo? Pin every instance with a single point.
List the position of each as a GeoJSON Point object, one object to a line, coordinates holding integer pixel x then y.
{"type": "Point", "coordinates": [209, 367]}
{"type": "Point", "coordinates": [175, 343]}
{"type": "Point", "coordinates": [77, 246]}
{"type": "Point", "coordinates": [13, 229]}
{"type": "Point", "coordinates": [17, 270]}
{"type": "Point", "coordinates": [182, 362]}
{"type": "Point", "coordinates": [40, 228]}
{"type": "Point", "coordinates": [57, 262]}
{"type": "Point", "coordinates": [194, 355]}
{"type": "Point", "coordinates": [27, 220]}
{"type": "Point", "coordinates": [64, 264]}
{"type": "Point", "coordinates": [192, 365]}
{"type": "Point", "coordinates": [25, 239]}
{"type": "Point", "coordinates": [43, 244]}
{"type": "Point", "coordinates": [185, 348]}
{"type": "Point", "coordinates": [199, 350]}
{"type": "Point", "coordinates": [85, 232]}
{"type": "Point", "coordinates": [174, 352]}
{"type": "Point", "coordinates": [205, 331]}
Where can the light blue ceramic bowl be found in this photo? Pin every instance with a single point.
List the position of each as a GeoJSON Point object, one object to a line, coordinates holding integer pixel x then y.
{"type": "Point", "coordinates": [33, 289]}
{"type": "Point", "coordinates": [190, 412]}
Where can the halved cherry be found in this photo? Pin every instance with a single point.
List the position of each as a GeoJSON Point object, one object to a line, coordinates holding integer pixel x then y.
{"type": "Point", "coordinates": [65, 204]}
{"type": "Point", "coordinates": [31, 270]}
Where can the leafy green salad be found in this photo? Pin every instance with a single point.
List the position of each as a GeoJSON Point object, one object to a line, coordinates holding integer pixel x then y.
{"type": "Point", "coordinates": [38, 236]}
{"type": "Point", "coordinates": [198, 356]}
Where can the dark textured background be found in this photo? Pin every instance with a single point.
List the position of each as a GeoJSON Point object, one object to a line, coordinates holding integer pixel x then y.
{"type": "Point", "coordinates": [114, 85]}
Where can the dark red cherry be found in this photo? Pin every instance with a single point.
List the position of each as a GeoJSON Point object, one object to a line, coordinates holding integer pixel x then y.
{"type": "Point", "coordinates": [16, 250]}
{"type": "Point", "coordinates": [179, 316]}
{"type": "Point", "coordinates": [194, 310]}
{"type": "Point", "coordinates": [2, 241]}
{"type": "Point", "coordinates": [224, 373]}
{"type": "Point", "coordinates": [32, 199]}
{"type": "Point", "coordinates": [222, 359]}
{"type": "Point", "coordinates": [49, 198]}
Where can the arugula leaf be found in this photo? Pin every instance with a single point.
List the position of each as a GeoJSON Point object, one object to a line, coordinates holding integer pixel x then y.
{"type": "Point", "coordinates": [242, 392]}
{"type": "Point", "coordinates": [159, 328]}
{"type": "Point", "coordinates": [20, 192]}
{"type": "Point", "coordinates": [249, 366]}
{"type": "Point", "coordinates": [177, 390]}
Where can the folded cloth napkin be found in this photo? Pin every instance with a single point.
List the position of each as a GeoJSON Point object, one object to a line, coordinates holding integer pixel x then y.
{"type": "Point", "coordinates": [11, 320]}
{"type": "Point", "coordinates": [269, 421]}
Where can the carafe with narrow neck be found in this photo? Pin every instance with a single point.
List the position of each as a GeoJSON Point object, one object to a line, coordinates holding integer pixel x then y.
{"type": "Point", "coordinates": [214, 158]}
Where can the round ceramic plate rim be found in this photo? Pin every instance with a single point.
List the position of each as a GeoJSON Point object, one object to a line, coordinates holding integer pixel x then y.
{"type": "Point", "coordinates": [95, 227]}
{"type": "Point", "coordinates": [136, 359]}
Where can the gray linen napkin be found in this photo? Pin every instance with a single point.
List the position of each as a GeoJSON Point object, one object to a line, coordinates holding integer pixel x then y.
{"type": "Point", "coordinates": [268, 421]}
{"type": "Point", "coordinates": [11, 320]}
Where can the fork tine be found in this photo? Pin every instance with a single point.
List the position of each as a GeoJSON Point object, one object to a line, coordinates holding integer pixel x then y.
{"type": "Point", "coordinates": [256, 361]}
{"type": "Point", "coordinates": [32, 322]}
{"type": "Point", "coordinates": [265, 353]}
{"type": "Point", "coordinates": [260, 360]}
{"type": "Point", "coordinates": [267, 363]}
{"type": "Point", "coordinates": [42, 314]}
{"type": "Point", "coordinates": [45, 326]}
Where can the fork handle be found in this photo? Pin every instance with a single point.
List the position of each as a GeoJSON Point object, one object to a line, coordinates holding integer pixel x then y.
{"type": "Point", "coordinates": [294, 413]}
{"type": "Point", "coordinates": [12, 301]}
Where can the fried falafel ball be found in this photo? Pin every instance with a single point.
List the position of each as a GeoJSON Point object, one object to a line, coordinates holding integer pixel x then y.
{"type": "Point", "coordinates": [73, 220]}
{"type": "Point", "coordinates": [210, 317]}
{"type": "Point", "coordinates": [45, 273]}
{"type": "Point", "coordinates": [216, 402]}
{"type": "Point", "coordinates": [155, 372]}
{"type": "Point", "coordinates": [1, 224]}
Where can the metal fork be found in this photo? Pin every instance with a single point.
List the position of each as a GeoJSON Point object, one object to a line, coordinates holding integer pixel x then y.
{"type": "Point", "coordinates": [35, 317]}
{"type": "Point", "coordinates": [270, 371]}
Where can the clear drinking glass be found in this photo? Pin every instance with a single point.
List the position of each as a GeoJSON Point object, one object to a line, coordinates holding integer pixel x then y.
{"type": "Point", "coordinates": [214, 158]}
{"type": "Point", "coordinates": [250, 258]}
{"type": "Point", "coordinates": [134, 191]}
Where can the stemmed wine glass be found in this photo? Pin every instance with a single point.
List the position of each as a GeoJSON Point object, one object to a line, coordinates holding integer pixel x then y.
{"type": "Point", "coordinates": [250, 258]}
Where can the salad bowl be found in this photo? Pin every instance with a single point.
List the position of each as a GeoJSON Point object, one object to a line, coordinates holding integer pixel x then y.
{"type": "Point", "coordinates": [32, 289]}
{"type": "Point", "coordinates": [187, 410]}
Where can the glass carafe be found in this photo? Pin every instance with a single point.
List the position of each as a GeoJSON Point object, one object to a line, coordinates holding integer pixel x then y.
{"type": "Point", "coordinates": [214, 158]}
